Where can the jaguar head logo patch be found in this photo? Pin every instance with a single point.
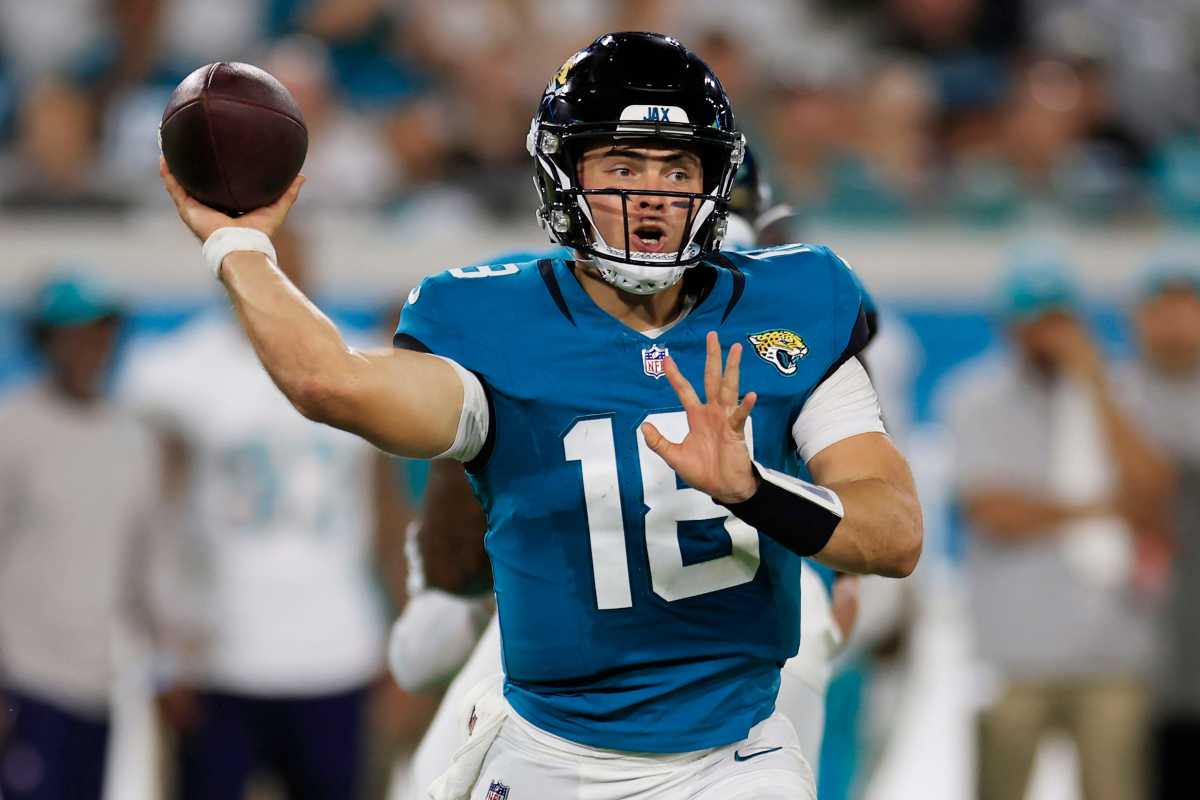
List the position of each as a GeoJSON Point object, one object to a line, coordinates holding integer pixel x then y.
{"type": "Point", "coordinates": [780, 348]}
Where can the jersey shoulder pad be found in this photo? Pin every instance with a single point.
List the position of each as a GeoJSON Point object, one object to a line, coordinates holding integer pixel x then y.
{"type": "Point", "coordinates": [814, 267]}
{"type": "Point", "coordinates": [523, 256]}
{"type": "Point", "coordinates": [449, 309]}
{"type": "Point", "coordinates": [790, 257]}
{"type": "Point", "coordinates": [766, 259]}
{"type": "Point", "coordinates": [813, 282]}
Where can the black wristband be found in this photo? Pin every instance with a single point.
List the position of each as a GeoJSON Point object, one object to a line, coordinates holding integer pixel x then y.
{"type": "Point", "coordinates": [799, 515]}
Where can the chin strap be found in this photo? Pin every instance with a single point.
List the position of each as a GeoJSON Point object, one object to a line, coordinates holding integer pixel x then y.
{"type": "Point", "coordinates": [634, 278]}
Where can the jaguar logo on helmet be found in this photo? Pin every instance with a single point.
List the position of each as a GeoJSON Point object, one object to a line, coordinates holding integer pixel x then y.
{"type": "Point", "coordinates": [560, 77]}
{"type": "Point", "coordinates": [635, 86]}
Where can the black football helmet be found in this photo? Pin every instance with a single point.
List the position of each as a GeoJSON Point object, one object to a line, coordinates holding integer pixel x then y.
{"type": "Point", "coordinates": [751, 193]}
{"type": "Point", "coordinates": [636, 88]}
{"type": "Point", "coordinates": [754, 218]}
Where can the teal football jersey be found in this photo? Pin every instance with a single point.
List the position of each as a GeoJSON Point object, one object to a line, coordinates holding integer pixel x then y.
{"type": "Point", "coordinates": [636, 613]}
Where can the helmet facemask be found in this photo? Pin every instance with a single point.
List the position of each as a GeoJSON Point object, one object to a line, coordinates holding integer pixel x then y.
{"type": "Point", "coordinates": [635, 89]}
{"type": "Point", "coordinates": [569, 210]}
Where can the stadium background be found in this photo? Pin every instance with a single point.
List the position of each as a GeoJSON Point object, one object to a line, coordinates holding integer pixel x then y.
{"type": "Point", "coordinates": [926, 140]}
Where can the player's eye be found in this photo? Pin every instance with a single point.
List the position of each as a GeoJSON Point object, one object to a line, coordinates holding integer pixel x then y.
{"type": "Point", "coordinates": [621, 172]}
{"type": "Point", "coordinates": [678, 175]}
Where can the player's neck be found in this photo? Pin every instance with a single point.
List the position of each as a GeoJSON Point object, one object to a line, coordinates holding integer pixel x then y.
{"type": "Point", "coordinates": [642, 312]}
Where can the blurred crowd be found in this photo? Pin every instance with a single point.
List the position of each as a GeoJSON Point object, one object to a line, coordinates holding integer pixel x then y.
{"type": "Point", "coordinates": [1077, 478]}
{"type": "Point", "coordinates": [987, 111]}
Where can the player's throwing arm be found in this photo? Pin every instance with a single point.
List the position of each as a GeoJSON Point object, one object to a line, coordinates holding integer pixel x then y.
{"type": "Point", "coordinates": [404, 402]}
{"type": "Point", "coordinates": [863, 517]}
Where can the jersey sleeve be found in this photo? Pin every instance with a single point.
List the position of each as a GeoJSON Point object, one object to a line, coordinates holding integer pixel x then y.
{"type": "Point", "coordinates": [850, 329]}
{"type": "Point", "coordinates": [444, 318]}
{"type": "Point", "coordinates": [869, 306]}
{"type": "Point", "coordinates": [844, 405]}
{"type": "Point", "coordinates": [428, 322]}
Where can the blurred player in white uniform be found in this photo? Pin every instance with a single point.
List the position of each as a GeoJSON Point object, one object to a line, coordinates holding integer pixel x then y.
{"type": "Point", "coordinates": [281, 532]}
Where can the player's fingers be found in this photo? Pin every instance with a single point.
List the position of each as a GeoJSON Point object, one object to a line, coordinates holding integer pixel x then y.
{"type": "Point", "coordinates": [737, 420]}
{"type": "Point", "coordinates": [184, 203]}
{"type": "Point", "coordinates": [174, 190]}
{"type": "Point", "coordinates": [683, 389]}
{"type": "Point", "coordinates": [712, 366]}
{"type": "Point", "coordinates": [660, 444]}
{"type": "Point", "coordinates": [729, 381]}
{"type": "Point", "coordinates": [292, 192]}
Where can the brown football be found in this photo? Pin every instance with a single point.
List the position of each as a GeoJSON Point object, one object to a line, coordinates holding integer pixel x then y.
{"type": "Point", "coordinates": [233, 136]}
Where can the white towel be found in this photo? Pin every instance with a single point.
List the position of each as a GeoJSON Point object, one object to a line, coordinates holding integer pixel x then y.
{"type": "Point", "coordinates": [1097, 550]}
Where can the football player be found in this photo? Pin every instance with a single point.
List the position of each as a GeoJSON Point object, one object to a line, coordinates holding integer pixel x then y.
{"type": "Point", "coordinates": [644, 535]}
{"type": "Point", "coordinates": [443, 610]}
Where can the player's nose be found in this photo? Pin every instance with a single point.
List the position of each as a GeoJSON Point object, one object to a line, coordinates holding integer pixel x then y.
{"type": "Point", "coordinates": [651, 201]}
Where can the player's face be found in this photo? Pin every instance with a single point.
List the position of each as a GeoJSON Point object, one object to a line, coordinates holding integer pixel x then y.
{"type": "Point", "coordinates": [1168, 326]}
{"type": "Point", "coordinates": [656, 223]}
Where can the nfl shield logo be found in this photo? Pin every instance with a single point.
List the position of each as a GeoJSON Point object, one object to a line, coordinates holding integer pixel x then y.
{"type": "Point", "coordinates": [652, 360]}
{"type": "Point", "coordinates": [497, 791]}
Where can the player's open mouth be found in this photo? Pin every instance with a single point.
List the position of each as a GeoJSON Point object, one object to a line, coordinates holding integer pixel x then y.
{"type": "Point", "coordinates": [649, 238]}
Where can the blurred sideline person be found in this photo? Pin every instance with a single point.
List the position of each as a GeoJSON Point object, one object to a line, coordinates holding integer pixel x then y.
{"type": "Point", "coordinates": [1050, 469]}
{"type": "Point", "coordinates": [280, 523]}
{"type": "Point", "coordinates": [447, 542]}
{"type": "Point", "coordinates": [79, 484]}
{"type": "Point", "coordinates": [1166, 382]}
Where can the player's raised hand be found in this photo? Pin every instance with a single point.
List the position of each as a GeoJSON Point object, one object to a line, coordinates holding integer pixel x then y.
{"type": "Point", "coordinates": [203, 220]}
{"type": "Point", "coordinates": [713, 456]}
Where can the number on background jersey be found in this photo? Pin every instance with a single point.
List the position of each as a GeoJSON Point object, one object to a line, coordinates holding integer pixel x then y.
{"type": "Point", "coordinates": [485, 271]}
{"type": "Point", "coordinates": [590, 442]}
{"type": "Point", "coordinates": [296, 488]}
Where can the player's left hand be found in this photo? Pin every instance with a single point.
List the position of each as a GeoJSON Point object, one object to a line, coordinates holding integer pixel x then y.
{"type": "Point", "coordinates": [203, 220]}
{"type": "Point", "coordinates": [713, 457]}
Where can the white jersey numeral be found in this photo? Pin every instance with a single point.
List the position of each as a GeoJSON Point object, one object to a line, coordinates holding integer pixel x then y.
{"type": "Point", "coordinates": [485, 271]}
{"type": "Point", "coordinates": [591, 442]}
{"type": "Point", "coordinates": [670, 505]}
{"type": "Point", "coordinates": [771, 252]}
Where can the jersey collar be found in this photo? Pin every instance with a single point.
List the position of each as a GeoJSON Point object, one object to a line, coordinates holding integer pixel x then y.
{"type": "Point", "coordinates": [710, 285]}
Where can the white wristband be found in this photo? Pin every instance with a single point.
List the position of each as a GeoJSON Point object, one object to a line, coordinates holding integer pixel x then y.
{"type": "Point", "coordinates": [224, 241]}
